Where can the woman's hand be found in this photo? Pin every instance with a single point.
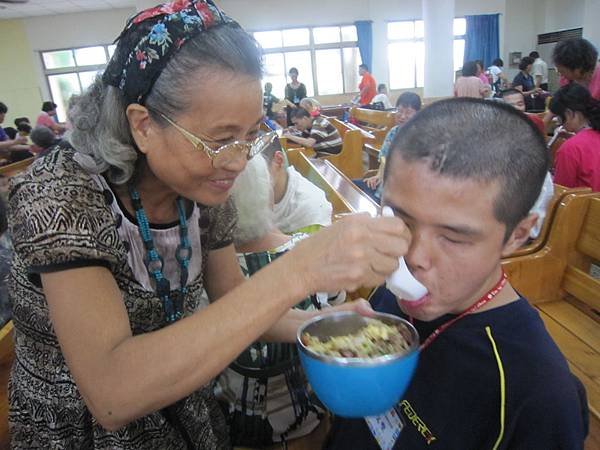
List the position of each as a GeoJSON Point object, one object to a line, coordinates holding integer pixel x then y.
{"type": "Point", "coordinates": [373, 181]}
{"type": "Point", "coordinates": [356, 251]}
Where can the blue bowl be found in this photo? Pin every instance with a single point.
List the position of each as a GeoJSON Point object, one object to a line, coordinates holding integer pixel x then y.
{"type": "Point", "coordinates": [357, 387]}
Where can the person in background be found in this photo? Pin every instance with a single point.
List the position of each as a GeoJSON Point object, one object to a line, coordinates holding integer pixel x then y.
{"type": "Point", "coordinates": [524, 82]}
{"type": "Point", "coordinates": [499, 79]}
{"type": "Point", "coordinates": [317, 133]}
{"type": "Point", "coordinates": [269, 100]}
{"type": "Point", "coordinates": [43, 139]}
{"type": "Point", "coordinates": [515, 98]}
{"type": "Point", "coordinates": [294, 92]}
{"type": "Point", "coordinates": [47, 118]}
{"type": "Point", "coordinates": [539, 71]}
{"type": "Point", "coordinates": [298, 205]}
{"type": "Point", "coordinates": [407, 105]}
{"type": "Point", "coordinates": [367, 86]}
{"type": "Point", "coordinates": [469, 84]}
{"type": "Point", "coordinates": [311, 105]}
{"type": "Point", "coordinates": [10, 147]}
{"type": "Point", "coordinates": [577, 60]}
{"type": "Point", "coordinates": [382, 97]}
{"type": "Point", "coordinates": [464, 174]}
{"type": "Point", "coordinates": [481, 72]}
{"type": "Point", "coordinates": [577, 162]}
{"type": "Point", "coordinates": [264, 391]}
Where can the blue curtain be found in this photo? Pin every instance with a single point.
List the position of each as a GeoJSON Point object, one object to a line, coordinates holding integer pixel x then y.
{"type": "Point", "coordinates": [364, 30]}
{"type": "Point", "coordinates": [482, 39]}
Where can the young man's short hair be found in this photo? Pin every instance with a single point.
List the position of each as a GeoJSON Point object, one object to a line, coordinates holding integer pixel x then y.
{"type": "Point", "coordinates": [534, 55]}
{"type": "Point", "coordinates": [364, 66]}
{"type": "Point", "coordinates": [498, 62]}
{"type": "Point", "coordinates": [299, 113]}
{"type": "Point", "coordinates": [466, 138]}
{"type": "Point", "coordinates": [508, 92]}
{"type": "Point", "coordinates": [3, 108]}
{"type": "Point", "coordinates": [19, 120]}
{"type": "Point", "coordinates": [48, 106]}
{"type": "Point", "coordinates": [576, 54]}
{"type": "Point", "coordinates": [409, 100]}
{"type": "Point", "coordinates": [381, 87]}
{"type": "Point", "coordinates": [274, 147]}
{"type": "Point", "coordinates": [24, 127]}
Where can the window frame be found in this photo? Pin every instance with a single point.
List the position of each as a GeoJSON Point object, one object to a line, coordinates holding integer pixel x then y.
{"type": "Point", "coordinates": [415, 39]}
{"type": "Point", "coordinates": [74, 69]}
{"type": "Point", "coordinates": [312, 47]}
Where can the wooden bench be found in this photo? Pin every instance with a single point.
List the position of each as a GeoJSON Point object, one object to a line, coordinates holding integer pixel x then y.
{"type": "Point", "coordinates": [376, 122]}
{"type": "Point", "coordinates": [557, 280]}
{"type": "Point", "coordinates": [349, 160]}
{"type": "Point", "coordinates": [560, 192]}
{"type": "Point", "coordinates": [344, 196]}
{"type": "Point", "coordinates": [14, 168]}
{"type": "Point", "coordinates": [7, 356]}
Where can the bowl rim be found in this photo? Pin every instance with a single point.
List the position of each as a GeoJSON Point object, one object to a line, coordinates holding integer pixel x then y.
{"type": "Point", "coordinates": [358, 362]}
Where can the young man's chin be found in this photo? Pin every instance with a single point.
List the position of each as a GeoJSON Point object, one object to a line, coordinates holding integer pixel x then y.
{"type": "Point", "coordinates": [419, 309]}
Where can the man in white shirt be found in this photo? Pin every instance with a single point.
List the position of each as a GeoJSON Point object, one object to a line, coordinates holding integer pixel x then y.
{"type": "Point", "coordinates": [382, 97]}
{"type": "Point", "coordinates": [539, 71]}
{"type": "Point", "coordinates": [298, 204]}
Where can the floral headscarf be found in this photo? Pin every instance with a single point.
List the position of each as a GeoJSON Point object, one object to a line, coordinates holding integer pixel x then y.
{"type": "Point", "coordinates": [152, 37]}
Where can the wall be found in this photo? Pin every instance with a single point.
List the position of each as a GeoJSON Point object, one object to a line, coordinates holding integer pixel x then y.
{"type": "Point", "coordinates": [19, 87]}
{"type": "Point", "coordinates": [57, 32]}
{"type": "Point", "coordinates": [591, 30]}
{"type": "Point", "coordinates": [562, 15]}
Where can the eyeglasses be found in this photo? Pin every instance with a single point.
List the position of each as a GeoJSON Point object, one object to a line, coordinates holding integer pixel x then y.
{"type": "Point", "coordinates": [224, 154]}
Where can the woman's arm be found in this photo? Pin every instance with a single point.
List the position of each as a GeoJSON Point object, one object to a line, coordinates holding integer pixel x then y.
{"type": "Point", "coordinates": [122, 377]}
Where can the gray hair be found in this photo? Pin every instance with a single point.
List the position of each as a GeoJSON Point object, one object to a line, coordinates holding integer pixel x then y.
{"type": "Point", "coordinates": [252, 196]}
{"type": "Point", "coordinates": [101, 133]}
{"type": "Point", "coordinates": [42, 136]}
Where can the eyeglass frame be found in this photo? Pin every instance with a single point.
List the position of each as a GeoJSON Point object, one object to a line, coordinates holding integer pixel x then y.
{"type": "Point", "coordinates": [212, 154]}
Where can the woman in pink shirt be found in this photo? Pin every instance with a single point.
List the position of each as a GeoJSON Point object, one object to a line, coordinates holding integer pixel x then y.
{"type": "Point", "coordinates": [469, 84]}
{"type": "Point", "coordinates": [578, 159]}
{"type": "Point", "coordinates": [46, 118]}
{"type": "Point", "coordinates": [577, 60]}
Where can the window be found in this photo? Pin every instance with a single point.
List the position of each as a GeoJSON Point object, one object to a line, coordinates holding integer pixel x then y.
{"type": "Point", "coordinates": [71, 71]}
{"type": "Point", "coordinates": [406, 51]}
{"type": "Point", "coordinates": [327, 58]}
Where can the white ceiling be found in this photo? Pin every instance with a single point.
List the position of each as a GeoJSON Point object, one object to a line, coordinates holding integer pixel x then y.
{"type": "Point", "coordinates": [51, 7]}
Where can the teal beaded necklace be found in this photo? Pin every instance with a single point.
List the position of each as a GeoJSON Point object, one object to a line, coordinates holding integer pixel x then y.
{"type": "Point", "coordinates": [173, 307]}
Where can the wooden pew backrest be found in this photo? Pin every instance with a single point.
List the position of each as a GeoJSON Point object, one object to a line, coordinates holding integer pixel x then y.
{"type": "Point", "coordinates": [539, 276]}
{"type": "Point", "coordinates": [306, 168]}
{"type": "Point", "coordinates": [559, 193]}
{"type": "Point", "coordinates": [14, 168]}
{"type": "Point", "coordinates": [7, 356]}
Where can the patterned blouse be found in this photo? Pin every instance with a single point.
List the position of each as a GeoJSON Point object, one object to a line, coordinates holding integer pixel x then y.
{"type": "Point", "coordinates": [62, 217]}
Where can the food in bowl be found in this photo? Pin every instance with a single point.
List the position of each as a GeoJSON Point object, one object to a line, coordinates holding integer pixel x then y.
{"type": "Point", "coordinates": [375, 339]}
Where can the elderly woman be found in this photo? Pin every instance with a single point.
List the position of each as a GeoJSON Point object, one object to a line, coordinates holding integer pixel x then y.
{"type": "Point", "coordinates": [117, 233]}
{"type": "Point", "coordinates": [264, 390]}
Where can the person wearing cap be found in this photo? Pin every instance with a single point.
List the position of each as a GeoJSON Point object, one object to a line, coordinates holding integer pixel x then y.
{"type": "Point", "coordinates": [47, 118]}
{"type": "Point", "coordinates": [120, 230]}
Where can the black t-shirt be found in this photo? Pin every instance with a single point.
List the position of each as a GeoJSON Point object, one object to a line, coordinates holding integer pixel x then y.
{"type": "Point", "coordinates": [295, 95]}
{"type": "Point", "coordinates": [493, 380]}
{"type": "Point", "coordinates": [268, 101]}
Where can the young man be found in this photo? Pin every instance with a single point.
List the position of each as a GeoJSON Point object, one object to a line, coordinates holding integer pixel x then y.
{"type": "Point", "coordinates": [539, 71]}
{"type": "Point", "coordinates": [367, 86]}
{"type": "Point", "coordinates": [463, 174]}
{"type": "Point", "coordinates": [516, 99]}
{"type": "Point", "coordinates": [298, 204]}
{"type": "Point", "coordinates": [382, 97]}
{"type": "Point", "coordinates": [317, 133]}
{"type": "Point", "coordinates": [407, 105]}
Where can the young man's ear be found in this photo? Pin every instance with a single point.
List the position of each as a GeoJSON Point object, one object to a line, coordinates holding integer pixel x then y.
{"type": "Point", "coordinates": [519, 235]}
{"type": "Point", "coordinates": [139, 124]}
{"type": "Point", "coordinates": [279, 159]}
